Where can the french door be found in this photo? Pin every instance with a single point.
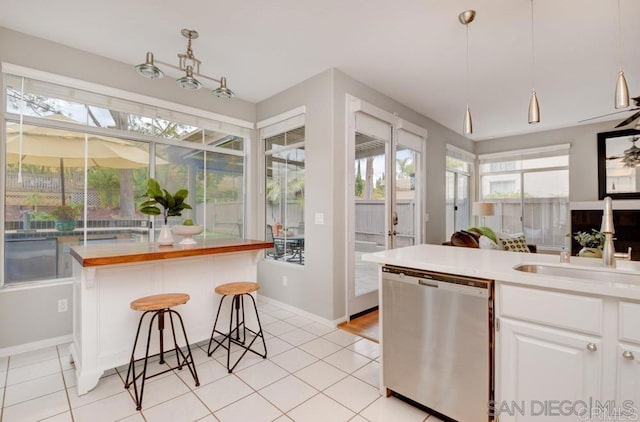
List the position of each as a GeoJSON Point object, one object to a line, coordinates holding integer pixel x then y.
{"type": "Point", "coordinates": [384, 206]}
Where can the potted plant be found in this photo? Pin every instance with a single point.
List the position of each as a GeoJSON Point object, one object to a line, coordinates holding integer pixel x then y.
{"type": "Point", "coordinates": [591, 243]}
{"type": "Point", "coordinates": [65, 217]}
{"type": "Point", "coordinates": [161, 202]}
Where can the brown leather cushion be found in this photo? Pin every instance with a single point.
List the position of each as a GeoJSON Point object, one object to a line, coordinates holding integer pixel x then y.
{"type": "Point", "coordinates": [465, 239]}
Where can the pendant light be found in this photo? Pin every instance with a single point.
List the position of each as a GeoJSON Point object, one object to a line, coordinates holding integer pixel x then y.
{"type": "Point", "coordinates": [622, 90]}
{"type": "Point", "coordinates": [534, 106]}
{"type": "Point", "coordinates": [466, 18]}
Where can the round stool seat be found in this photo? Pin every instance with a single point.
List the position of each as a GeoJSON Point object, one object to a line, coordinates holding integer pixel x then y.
{"type": "Point", "coordinates": [161, 301]}
{"type": "Point", "coordinates": [237, 288]}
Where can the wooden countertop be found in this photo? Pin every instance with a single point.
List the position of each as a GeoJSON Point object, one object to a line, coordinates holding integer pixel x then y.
{"type": "Point", "coordinates": [127, 253]}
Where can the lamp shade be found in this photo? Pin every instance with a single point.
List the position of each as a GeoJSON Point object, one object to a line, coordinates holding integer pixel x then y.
{"type": "Point", "coordinates": [483, 209]}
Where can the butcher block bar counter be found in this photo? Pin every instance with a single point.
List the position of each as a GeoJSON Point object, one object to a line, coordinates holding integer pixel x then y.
{"type": "Point", "coordinates": [114, 253]}
{"type": "Point", "coordinates": [107, 277]}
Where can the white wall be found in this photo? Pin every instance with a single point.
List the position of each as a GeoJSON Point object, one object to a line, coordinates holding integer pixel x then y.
{"type": "Point", "coordinates": [319, 286]}
{"type": "Point", "coordinates": [31, 315]}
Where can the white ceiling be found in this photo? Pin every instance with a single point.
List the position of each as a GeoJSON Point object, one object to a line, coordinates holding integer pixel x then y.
{"type": "Point", "coordinates": [411, 50]}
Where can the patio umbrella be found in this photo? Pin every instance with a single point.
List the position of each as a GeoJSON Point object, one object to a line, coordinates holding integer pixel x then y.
{"type": "Point", "coordinates": [44, 146]}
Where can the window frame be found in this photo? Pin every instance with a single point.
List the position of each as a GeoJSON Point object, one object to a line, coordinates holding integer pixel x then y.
{"type": "Point", "coordinates": [207, 121]}
{"type": "Point", "coordinates": [561, 150]}
{"type": "Point", "coordinates": [269, 128]}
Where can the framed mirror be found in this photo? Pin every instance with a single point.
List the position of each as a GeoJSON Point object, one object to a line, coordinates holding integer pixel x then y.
{"type": "Point", "coordinates": [619, 164]}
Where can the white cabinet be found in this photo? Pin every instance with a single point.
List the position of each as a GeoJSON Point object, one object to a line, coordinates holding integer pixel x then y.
{"type": "Point", "coordinates": [628, 373]}
{"type": "Point", "coordinates": [556, 350]}
{"type": "Point", "coordinates": [540, 364]}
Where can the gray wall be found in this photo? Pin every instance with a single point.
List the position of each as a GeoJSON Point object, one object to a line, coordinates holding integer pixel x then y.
{"type": "Point", "coordinates": [583, 155]}
{"type": "Point", "coordinates": [30, 315]}
{"type": "Point", "coordinates": [319, 287]}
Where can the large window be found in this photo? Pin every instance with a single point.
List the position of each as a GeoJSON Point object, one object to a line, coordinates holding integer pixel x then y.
{"type": "Point", "coordinates": [284, 189]}
{"type": "Point", "coordinates": [77, 164]}
{"type": "Point", "coordinates": [531, 191]}
{"type": "Point", "coordinates": [459, 166]}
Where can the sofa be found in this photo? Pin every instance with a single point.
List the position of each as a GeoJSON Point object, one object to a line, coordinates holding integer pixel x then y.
{"type": "Point", "coordinates": [486, 238]}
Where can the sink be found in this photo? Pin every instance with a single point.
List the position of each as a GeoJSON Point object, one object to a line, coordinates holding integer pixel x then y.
{"type": "Point", "coordinates": [583, 273]}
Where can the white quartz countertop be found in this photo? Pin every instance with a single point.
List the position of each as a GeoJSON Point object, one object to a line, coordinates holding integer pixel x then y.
{"type": "Point", "coordinates": [499, 265]}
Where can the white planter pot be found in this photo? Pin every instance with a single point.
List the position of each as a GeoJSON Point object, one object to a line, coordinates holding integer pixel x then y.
{"type": "Point", "coordinates": [165, 237]}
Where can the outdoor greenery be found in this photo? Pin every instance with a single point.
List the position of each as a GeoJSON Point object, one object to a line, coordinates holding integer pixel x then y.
{"type": "Point", "coordinates": [161, 202]}
{"type": "Point", "coordinates": [66, 212]}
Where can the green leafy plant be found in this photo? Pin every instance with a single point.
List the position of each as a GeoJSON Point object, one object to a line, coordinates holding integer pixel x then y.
{"type": "Point", "coordinates": [593, 239]}
{"type": "Point", "coordinates": [65, 213]}
{"type": "Point", "coordinates": [161, 202]}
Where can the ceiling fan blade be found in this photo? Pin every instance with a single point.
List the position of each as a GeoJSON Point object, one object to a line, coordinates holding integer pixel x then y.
{"type": "Point", "coordinates": [629, 120]}
{"type": "Point", "coordinates": [601, 116]}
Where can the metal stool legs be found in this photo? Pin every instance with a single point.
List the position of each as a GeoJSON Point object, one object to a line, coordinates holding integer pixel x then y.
{"type": "Point", "coordinates": [237, 305]}
{"type": "Point", "coordinates": [182, 359]}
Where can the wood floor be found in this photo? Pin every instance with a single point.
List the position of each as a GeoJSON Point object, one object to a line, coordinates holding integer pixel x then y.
{"type": "Point", "coordinates": [364, 326]}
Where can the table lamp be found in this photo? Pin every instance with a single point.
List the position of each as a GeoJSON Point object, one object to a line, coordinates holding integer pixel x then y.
{"type": "Point", "coordinates": [483, 209]}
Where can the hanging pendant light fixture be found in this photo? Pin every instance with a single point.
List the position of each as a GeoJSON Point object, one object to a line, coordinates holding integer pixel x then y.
{"type": "Point", "coordinates": [622, 90]}
{"type": "Point", "coordinates": [466, 18]}
{"type": "Point", "coordinates": [187, 63]}
{"type": "Point", "coordinates": [534, 106]}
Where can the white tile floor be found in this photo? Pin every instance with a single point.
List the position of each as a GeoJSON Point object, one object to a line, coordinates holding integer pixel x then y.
{"type": "Point", "coordinates": [313, 373]}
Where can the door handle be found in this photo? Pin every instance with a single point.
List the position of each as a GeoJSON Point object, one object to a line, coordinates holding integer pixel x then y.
{"type": "Point", "coordinates": [627, 354]}
{"type": "Point", "coordinates": [392, 233]}
{"type": "Point", "coordinates": [592, 347]}
{"type": "Point", "coordinates": [395, 218]}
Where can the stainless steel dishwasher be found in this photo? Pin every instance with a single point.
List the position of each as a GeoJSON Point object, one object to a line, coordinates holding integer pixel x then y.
{"type": "Point", "coordinates": [438, 340]}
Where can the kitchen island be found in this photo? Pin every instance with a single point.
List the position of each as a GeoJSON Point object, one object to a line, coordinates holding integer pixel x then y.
{"type": "Point", "coordinates": [107, 277]}
{"type": "Point", "coordinates": [561, 334]}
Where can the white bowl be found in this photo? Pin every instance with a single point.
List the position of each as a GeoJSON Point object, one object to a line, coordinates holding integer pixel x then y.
{"type": "Point", "coordinates": [186, 232]}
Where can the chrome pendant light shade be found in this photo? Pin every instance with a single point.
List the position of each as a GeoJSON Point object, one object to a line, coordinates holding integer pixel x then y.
{"type": "Point", "coordinates": [534, 106]}
{"type": "Point", "coordinates": [187, 63]}
{"type": "Point", "coordinates": [622, 90]}
{"type": "Point", "coordinates": [534, 109]}
{"type": "Point", "coordinates": [466, 18]}
{"type": "Point", "coordinates": [148, 69]}
{"type": "Point", "coordinates": [222, 91]}
{"type": "Point", "coordinates": [467, 125]}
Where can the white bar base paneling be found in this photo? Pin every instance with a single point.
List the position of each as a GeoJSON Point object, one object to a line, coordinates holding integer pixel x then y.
{"type": "Point", "coordinates": [104, 326]}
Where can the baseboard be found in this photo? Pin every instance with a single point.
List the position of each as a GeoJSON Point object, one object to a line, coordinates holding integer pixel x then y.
{"type": "Point", "coordinates": [302, 312]}
{"type": "Point", "coordinates": [36, 345]}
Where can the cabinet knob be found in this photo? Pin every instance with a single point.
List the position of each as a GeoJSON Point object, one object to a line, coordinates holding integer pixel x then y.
{"type": "Point", "coordinates": [627, 354]}
{"type": "Point", "coordinates": [592, 347]}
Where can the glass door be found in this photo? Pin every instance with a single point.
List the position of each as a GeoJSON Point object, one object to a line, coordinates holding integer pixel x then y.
{"type": "Point", "coordinates": [385, 206]}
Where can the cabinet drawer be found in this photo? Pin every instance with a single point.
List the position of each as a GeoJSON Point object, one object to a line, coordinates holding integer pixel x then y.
{"type": "Point", "coordinates": [562, 310]}
{"type": "Point", "coordinates": [629, 321]}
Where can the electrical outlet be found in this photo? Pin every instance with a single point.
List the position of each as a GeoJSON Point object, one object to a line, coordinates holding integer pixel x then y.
{"type": "Point", "coordinates": [284, 280]}
{"type": "Point", "coordinates": [63, 305]}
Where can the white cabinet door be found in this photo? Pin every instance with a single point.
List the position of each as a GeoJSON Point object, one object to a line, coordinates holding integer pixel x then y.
{"type": "Point", "coordinates": [540, 365]}
{"type": "Point", "coordinates": [628, 374]}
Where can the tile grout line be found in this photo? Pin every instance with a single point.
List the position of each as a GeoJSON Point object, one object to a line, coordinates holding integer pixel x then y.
{"type": "Point", "coordinates": [64, 384]}
{"type": "Point", "coordinates": [4, 391]}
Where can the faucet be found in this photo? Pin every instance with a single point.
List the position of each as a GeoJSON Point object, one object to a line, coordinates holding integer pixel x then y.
{"type": "Point", "coordinates": [608, 252]}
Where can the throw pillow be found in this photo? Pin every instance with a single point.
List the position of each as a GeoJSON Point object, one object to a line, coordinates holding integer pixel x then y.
{"type": "Point", "coordinates": [514, 244]}
{"type": "Point", "coordinates": [486, 243]}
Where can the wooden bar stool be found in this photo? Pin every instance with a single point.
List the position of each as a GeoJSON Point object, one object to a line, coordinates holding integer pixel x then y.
{"type": "Point", "coordinates": [158, 306]}
{"type": "Point", "coordinates": [238, 290]}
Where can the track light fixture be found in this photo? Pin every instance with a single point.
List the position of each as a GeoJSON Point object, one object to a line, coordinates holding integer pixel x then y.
{"type": "Point", "coordinates": [466, 18]}
{"type": "Point", "coordinates": [187, 63]}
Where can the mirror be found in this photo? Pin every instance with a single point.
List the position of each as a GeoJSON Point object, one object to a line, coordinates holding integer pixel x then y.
{"type": "Point", "coordinates": [619, 164]}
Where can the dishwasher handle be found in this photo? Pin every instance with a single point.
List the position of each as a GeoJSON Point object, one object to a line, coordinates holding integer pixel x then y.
{"type": "Point", "coordinates": [428, 283]}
